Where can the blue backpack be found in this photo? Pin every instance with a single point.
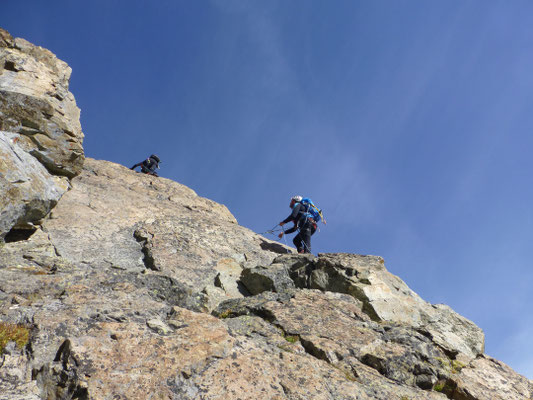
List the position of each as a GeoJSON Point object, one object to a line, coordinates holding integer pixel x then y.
{"type": "Point", "coordinates": [311, 210]}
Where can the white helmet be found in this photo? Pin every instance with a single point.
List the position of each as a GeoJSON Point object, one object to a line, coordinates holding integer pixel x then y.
{"type": "Point", "coordinates": [296, 199]}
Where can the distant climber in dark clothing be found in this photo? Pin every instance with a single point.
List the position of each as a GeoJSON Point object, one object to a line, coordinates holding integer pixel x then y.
{"type": "Point", "coordinates": [149, 165]}
{"type": "Point", "coordinates": [302, 222]}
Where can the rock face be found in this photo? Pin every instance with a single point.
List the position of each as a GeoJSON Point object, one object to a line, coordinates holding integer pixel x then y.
{"type": "Point", "coordinates": [40, 133]}
{"type": "Point", "coordinates": [135, 287]}
{"type": "Point", "coordinates": [140, 224]}
{"type": "Point", "coordinates": [384, 297]}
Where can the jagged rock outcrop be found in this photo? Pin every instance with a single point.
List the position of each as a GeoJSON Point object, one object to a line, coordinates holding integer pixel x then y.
{"type": "Point", "coordinates": [40, 133]}
{"type": "Point", "coordinates": [385, 297]}
{"type": "Point", "coordinates": [135, 287]}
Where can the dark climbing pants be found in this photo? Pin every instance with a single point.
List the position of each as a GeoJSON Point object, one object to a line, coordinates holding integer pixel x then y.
{"type": "Point", "coordinates": [302, 240]}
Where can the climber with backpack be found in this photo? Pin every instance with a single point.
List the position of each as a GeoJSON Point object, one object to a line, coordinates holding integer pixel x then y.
{"type": "Point", "coordinates": [149, 165]}
{"type": "Point", "coordinates": [305, 216]}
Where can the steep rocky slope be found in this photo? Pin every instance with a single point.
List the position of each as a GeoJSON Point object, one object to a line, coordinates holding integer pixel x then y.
{"type": "Point", "coordinates": [135, 287]}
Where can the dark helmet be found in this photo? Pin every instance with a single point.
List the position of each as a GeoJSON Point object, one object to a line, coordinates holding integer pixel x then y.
{"type": "Point", "coordinates": [156, 158]}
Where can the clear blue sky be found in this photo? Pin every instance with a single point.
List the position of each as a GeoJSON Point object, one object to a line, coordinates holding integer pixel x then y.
{"type": "Point", "coordinates": [408, 122]}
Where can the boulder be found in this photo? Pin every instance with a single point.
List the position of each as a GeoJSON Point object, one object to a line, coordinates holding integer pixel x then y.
{"type": "Point", "coordinates": [27, 190]}
{"type": "Point", "coordinates": [259, 279]}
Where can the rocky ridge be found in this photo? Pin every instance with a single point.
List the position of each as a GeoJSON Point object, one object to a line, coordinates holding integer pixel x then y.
{"type": "Point", "coordinates": [136, 287]}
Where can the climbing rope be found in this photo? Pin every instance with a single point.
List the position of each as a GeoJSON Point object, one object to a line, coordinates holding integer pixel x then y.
{"type": "Point", "coordinates": [274, 230]}
{"type": "Point", "coordinates": [286, 244]}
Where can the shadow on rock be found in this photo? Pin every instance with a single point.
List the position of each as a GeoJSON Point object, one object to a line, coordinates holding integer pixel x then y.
{"type": "Point", "coordinates": [274, 247]}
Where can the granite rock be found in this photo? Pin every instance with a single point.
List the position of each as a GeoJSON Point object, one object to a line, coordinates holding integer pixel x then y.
{"type": "Point", "coordinates": [40, 133]}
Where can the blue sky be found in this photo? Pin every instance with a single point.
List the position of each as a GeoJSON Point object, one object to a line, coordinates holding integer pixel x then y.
{"type": "Point", "coordinates": [408, 122]}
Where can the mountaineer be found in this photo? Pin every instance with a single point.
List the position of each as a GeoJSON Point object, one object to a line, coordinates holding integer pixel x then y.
{"type": "Point", "coordinates": [149, 165]}
{"type": "Point", "coordinates": [305, 216]}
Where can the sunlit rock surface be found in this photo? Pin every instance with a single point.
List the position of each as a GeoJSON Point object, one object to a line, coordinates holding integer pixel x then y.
{"type": "Point", "coordinates": [40, 132]}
